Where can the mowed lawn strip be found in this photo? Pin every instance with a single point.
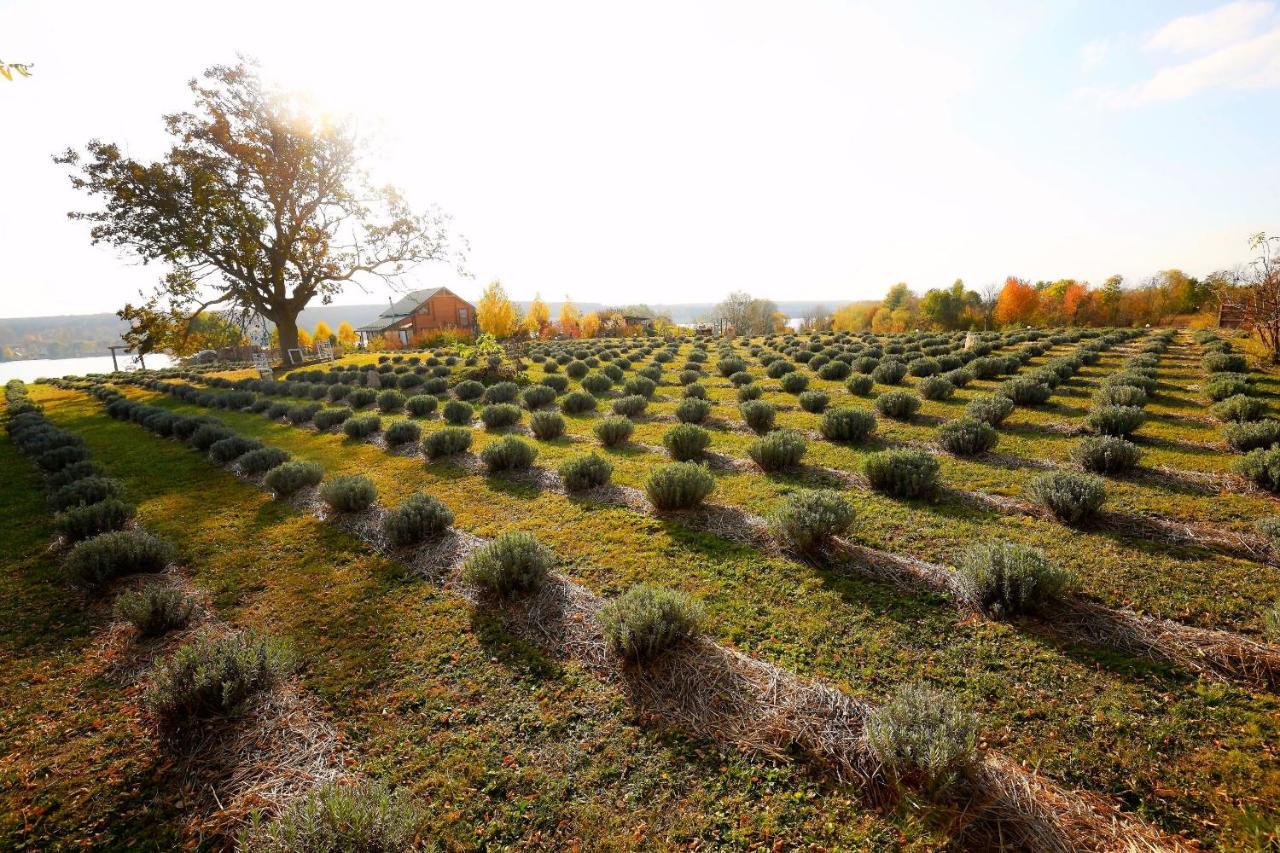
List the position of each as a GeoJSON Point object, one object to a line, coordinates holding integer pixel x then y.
{"type": "Point", "coordinates": [1161, 742]}
{"type": "Point", "coordinates": [504, 746]}
{"type": "Point", "coordinates": [72, 774]}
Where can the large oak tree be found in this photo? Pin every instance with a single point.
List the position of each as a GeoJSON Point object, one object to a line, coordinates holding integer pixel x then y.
{"type": "Point", "coordinates": [258, 206]}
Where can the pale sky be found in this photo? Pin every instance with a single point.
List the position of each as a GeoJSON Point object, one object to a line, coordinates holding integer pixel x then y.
{"type": "Point", "coordinates": [671, 152]}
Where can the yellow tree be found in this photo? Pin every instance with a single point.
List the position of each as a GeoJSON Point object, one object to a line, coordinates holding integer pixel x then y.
{"type": "Point", "coordinates": [347, 334]}
{"type": "Point", "coordinates": [495, 314]}
{"type": "Point", "coordinates": [539, 316]}
{"type": "Point", "coordinates": [322, 332]}
{"type": "Point", "coordinates": [590, 324]}
{"type": "Point", "coordinates": [570, 317]}
{"type": "Point", "coordinates": [304, 339]}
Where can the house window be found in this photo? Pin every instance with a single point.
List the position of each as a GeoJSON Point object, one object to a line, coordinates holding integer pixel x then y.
{"type": "Point", "coordinates": [426, 308]}
{"type": "Point", "coordinates": [463, 320]}
{"type": "Point", "coordinates": [404, 337]}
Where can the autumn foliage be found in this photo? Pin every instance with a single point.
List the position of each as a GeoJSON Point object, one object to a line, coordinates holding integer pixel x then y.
{"type": "Point", "coordinates": [1018, 303]}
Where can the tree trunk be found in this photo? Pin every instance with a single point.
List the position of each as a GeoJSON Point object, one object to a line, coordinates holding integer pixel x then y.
{"type": "Point", "coordinates": [287, 329]}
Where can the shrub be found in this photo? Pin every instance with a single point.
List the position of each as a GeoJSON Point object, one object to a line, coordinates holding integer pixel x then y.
{"type": "Point", "coordinates": [889, 372]}
{"type": "Point", "coordinates": [1251, 435]}
{"type": "Point", "coordinates": [902, 473]}
{"type": "Point", "coordinates": [1227, 385]}
{"type": "Point", "coordinates": [1105, 454]}
{"type": "Point", "coordinates": [596, 383]}
{"type": "Point", "coordinates": [1070, 496]}
{"type": "Point", "coordinates": [630, 406]}
{"type": "Point", "coordinates": [1221, 362]}
{"type": "Point", "coordinates": [935, 388]}
{"type": "Point", "coordinates": [457, 412]}
{"type": "Point", "coordinates": [758, 415]}
{"type": "Point", "coordinates": [103, 558]}
{"type": "Point", "coordinates": [366, 817]}
{"type": "Point", "coordinates": [556, 383]}
{"type": "Point", "coordinates": [390, 401]}
{"type": "Point", "coordinates": [1119, 421]}
{"type": "Point", "coordinates": [924, 738]}
{"type": "Point", "coordinates": [214, 675]}
{"type": "Point", "coordinates": [777, 450]}
{"type": "Point", "coordinates": [834, 370]}
{"type": "Point", "coordinates": [860, 385]}
{"type": "Point", "coordinates": [645, 621]}
{"type": "Point", "coordinates": [206, 435]}
{"type": "Point", "coordinates": [924, 367]}
{"type": "Point", "coordinates": [232, 448]}
{"type": "Point", "coordinates": [584, 472]}
{"type": "Point", "coordinates": [402, 432]}
{"type": "Point", "coordinates": [576, 369]}
{"type": "Point", "coordinates": [730, 365]}
{"type": "Point", "coordinates": [692, 410]}
{"type": "Point", "coordinates": [154, 610]}
{"type": "Point", "coordinates": [810, 517]}
{"type": "Point", "coordinates": [989, 408]}
{"type": "Point", "coordinates": [794, 383]}
{"type": "Point", "coordinates": [1270, 528]}
{"type": "Point", "coordinates": [468, 389]}
{"type": "Point", "coordinates": [640, 386]}
{"type": "Point", "coordinates": [86, 490]}
{"type": "Point", "coordinates": [614, 431]}
{"type": "Point", "coordinates": [537, 396]}
{"type": "Point", "coordinates": [1240, 408]}
{"type": "Point", "coordinates": [349, 494]}
{"type": "Point", "coordinates": [418, 518]}
{"type": "Point", "coordinates": [899, 405]}
{"type": "Point", "coordinates": [299, 415]}
{"type": "Point", "coordinates": [967, 437]}
{"type": "Point", "coordinates": [500, 415]}
{"type": "Point", "coordinates": [73, 472]}
{"type": "Point", "coordinates": [504, 392]}
{"type": "Point", "coordinates": [1262, 467]}
{"type": "Point", "coordinates": [1025, 390]}
{"type": "Point", "coordinates": [546, 425]}
{"type": "Point", "coordinates": [509, 453]}
{"type": "Point", "coordinates": [1006, 579]}
{"type": "Point", "coordinates": [578, 402]}
{"type": "Point", "coordinates": [81, 522]}
{"type": "Point", "coordinates": [286, 479]}
{"type": "Point", "coordinates": [446, 442]}
{"type": "Point", "coordinates": [693, 389]}
{"type": "Point", "coordinates": [814, 401]}
{"type": "Point", "coordinates": [261, 460]}
{"type": "Point", "coordinates": [514, 562]}
{"type": "Point", "coordinates": [1120, 395]}
{"type": "Point", "coordinates": [363, 426]}
{"type": "Point", "coordinates": [847, 424]}
{"type": "Point", "coordinates": [327, 418]}
{"type": "Point", "coordinates": [686, 441]}
{"type": "Point", "coordinates": [1271, 623]}
{"type": "Point", "coordinates": [749, 392]}
{"type": "Point", "coordinates": [421, 405]}
{"type": "Point", "coordinates": [678, 485]}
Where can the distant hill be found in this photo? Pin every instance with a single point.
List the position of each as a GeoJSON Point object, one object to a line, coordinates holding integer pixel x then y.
{"type": "Point", "coordinates": [74, 335]}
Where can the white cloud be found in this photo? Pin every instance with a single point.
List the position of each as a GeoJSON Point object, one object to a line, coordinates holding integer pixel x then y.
{"type": "Point", "coordinates": [1247, 65]}
{"type": "Point", "coordinates": [1220, 27]}
{"type": "Point", "coordinates": [1094, 54]}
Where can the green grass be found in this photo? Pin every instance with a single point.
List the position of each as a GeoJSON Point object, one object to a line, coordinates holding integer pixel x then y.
{"type": "Point", "coordinates": [434, 697]}
{"type": "Point", "coordinates": [506, 746]}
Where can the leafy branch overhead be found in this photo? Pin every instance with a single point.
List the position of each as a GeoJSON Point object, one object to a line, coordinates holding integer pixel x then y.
{"type": "Point", "coordinates": [259, 205]}
{"type": "Point", "coordinates": [22, 68]}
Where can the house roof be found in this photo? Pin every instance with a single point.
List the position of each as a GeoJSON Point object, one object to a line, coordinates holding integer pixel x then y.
{"type": "Point", "coordinates": [400, 309]}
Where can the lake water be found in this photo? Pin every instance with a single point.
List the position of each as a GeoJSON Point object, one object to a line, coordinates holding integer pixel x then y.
{"type": "Point", "coordinates": [29, 371]}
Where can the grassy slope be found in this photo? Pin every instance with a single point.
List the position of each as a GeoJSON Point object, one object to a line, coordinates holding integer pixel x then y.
{"type": "Point", "coordinates": [1194, 756]}
{"type": "Point", "coordinates": [71, 775]}
{"type": "Point", "coordinates": [504, 746]}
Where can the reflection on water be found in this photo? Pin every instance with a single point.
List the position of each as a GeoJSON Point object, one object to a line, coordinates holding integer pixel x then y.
{"type": "Point", "coordinates": [29, 371]}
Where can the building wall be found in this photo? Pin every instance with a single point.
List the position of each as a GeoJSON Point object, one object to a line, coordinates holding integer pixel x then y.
{"type": "Point", "coordinates": [444, 311]}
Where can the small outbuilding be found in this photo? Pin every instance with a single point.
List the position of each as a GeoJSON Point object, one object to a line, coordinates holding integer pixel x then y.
{"type": "Point", "coordinates": [417, 313]}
